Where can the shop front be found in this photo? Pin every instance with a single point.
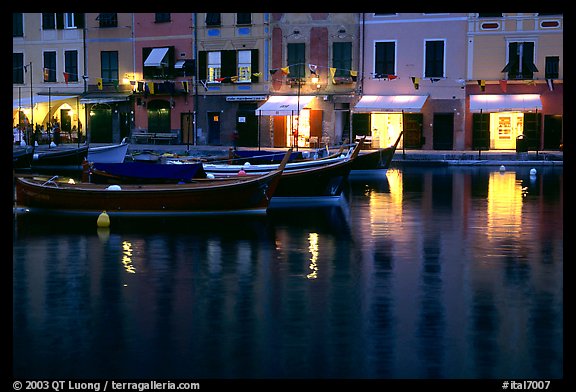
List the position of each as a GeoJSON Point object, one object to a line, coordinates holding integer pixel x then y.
{"type": "Point", "coordinates": [295, 123]}
{"type": "Point", "coordinates": [499, 120]}
{"type": "Point", "coordinates": [383, 117]}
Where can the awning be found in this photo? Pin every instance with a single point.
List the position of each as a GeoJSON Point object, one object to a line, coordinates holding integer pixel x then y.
{"type": "Point", "coordinates": [283, 105]}
{"type": "Point", "coordinates": [184, 64]}
{"type": "Point", "coordinates": [24, 103]}
{"type": "Point", "coordinates": [105, 97]}
{"type": "Point", "coordinates": [156, 58]}
{"type": "Point", "coordinates": [390, 103]}
{"type": "Point", "coordinates": [505, 102]}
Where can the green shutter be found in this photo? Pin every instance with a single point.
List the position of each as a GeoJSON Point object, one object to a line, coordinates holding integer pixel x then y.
{"type": "Point", "coordinates": [480, 131]}
{"type": "Point", "coordinates": [254, 65]}
{"type": "Point", "coordinates": [412, 124]}
{"type": "Point", "coordinates": [60, 20]}
{"type": "Point", "coordinates": [79, 19]}
{"type": "Point", "coordinates": [532, 123]}
{"type": "Point", "coordinates": [360, 124]}
{"type": "Point", "coordinates": [202, 65]}
{"type": "Point", "coordinates": [229, 64]}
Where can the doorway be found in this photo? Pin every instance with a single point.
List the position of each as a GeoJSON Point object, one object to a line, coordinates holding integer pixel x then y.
{"type": "Point", "coordinates": [214, 128]}
{"type": "Point", "coordinates": [443, 131]}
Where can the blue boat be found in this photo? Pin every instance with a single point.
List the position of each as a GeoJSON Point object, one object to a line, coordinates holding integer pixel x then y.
{"type": "Point", "coordinates": [142, 173]}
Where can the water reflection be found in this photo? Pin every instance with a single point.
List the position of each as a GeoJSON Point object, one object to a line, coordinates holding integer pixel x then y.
{"type": "Point", "coordinates": [422, 273]}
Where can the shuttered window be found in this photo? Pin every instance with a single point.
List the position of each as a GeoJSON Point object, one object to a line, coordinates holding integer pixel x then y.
{"type": "Point", "coordinates": [342, 58]}
{"type": "Point", "coordinates": [384, 59]}
{"type": "Point", "coordinates": [296, 59]}
{"type": "Point", "coordinates": [434, 67]}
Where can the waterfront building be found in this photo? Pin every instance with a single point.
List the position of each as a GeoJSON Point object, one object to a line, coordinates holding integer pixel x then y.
{"type": "Point", "coordinates": [450, 81]}
{"type": "Point", "coordinates": [232, 52]}
{"type": "Point", "coordinates": [412, 78]}
{"type": "Point", "coordinates": [312, 77]}
{"type": "Point", "coordinates": [109, 77]}
{"type": "Point", "coordinates": [47, 68]}
{"type": "Point", "coordinates": [514, 80]}
{"type": "Point", "coordinates": [163, 77]}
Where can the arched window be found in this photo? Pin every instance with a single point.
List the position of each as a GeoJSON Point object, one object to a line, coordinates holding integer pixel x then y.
{"type": "Point", "coordinates": [158, 116]}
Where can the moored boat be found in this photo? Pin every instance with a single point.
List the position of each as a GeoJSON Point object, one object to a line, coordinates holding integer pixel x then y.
{"type": "Point", "coordinates": [376, 159]}
{"type": "Point", "coordinates": [60, 156]}
{"type": "Point", "coordinates": [243, 194]}
{"type": "Point", "coordinates": [142, 173]}
{"type": "Point", "coordinates": [114, 153]}
{"type": "Point", "coordinates": [22, 157]}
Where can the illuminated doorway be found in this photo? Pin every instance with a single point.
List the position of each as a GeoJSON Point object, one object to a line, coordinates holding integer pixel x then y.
{"type": "Point", "coordinates": [504, 128]}
{"type": "Point", "coordinates": [386, 128]}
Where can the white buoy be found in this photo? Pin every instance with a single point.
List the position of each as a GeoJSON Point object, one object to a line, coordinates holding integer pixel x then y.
{"type": "Point", "coordinates": [247, 164]}
{"type": "Point", "coordinates": [103, 220]}
{"type": "Point", "coordinates": [210, 176]}
{"type": "Point", "coordinates": [502, 168]}
{"type": "Point", "coordinates": [532, 172]}
{"type": "Point", "coordinates": [52, 144]}
{"type": "Point", "coordinates": [114, 188]}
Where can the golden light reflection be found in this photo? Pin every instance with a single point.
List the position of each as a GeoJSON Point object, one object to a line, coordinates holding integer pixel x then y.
{"type": "Point", "coordinates": [127, 257]}
{"type": "Point", "coordinates": [504, 204]}
{"type": "Point", "coordinates": [386, 208]}
{"type": "Point", "coordinates": [313, 249]}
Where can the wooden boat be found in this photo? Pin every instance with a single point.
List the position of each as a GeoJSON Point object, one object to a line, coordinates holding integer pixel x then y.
{"type": "Point", "coordinates": [376, 159]}
{"type": "Point", "coordinates": [318, 183]}
{"type": "Point", "coordinates": [22, 157]}
{"type": "Point", "coordinates": [242, 194]}
{"type": "Point", "coordinates": [325, 181]}
{"type": "Point", "coordinates": [224, 169]}
{"type": "Point", "coordinates": [115, 153]}
{"type": "Point", "coordinates": [142, 173]}
{"type": "Point", "coordinates": [60, 156]}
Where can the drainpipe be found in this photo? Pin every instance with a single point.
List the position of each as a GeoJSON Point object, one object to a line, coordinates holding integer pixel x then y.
{"type": "Point", "coordinates": [195, 119]}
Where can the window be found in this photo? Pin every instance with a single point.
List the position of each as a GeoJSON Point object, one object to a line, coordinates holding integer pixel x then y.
{"type": "Point", "coordinates": [17, 24]}
{"type": "Point", "coordinates": [520, 60]}
{"type": "Point", "coordinates": [296, 59]}
{"type": "Point", "coordinates": [384, 59]}
{"type": "Point", "coordinates": [213, 19]}
{"type": "Point", "coordinates": [109, 65]}
{"type": "Point", "coordinates": [161, 17]}
{"type": "Point", "coordinates": [243, 18]}
{"type": "Point", "coordinates": [71, 65]}
{"type": "Point", "coordinates": [50, 67]}
{"type": "Point", "coordinates": [244, 65]}
{"type": "Point", "coordinates": [214, 66]}
{"type": "Point", "coordinates": [18, 68]}
{"type": "Point", "coordinates": [552, 67]}
{"type": "Point", "coordinates": [108, 19]}
{"type": "Point", "coordinates": [434, 65]}
{"type": "Point", "coordinates": [69, 20]}
{"type": "Point", "coordinates": [342, 58]}
{"type": "Point", "coordinates": [48, 21]}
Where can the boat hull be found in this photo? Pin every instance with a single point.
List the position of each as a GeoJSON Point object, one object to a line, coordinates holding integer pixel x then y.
{"type": "Point", "coordinates": [108, 154]}
{"type": "Point", "coordinates": [240, 194]}
{"type": "Point", "coordinates": [323, 181]}
{"type": "Point", "coordinates": [63, 157]}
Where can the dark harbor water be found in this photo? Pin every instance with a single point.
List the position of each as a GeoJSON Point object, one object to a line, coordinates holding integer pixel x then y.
{"type": "Point", "coordinates": [423, 273]}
